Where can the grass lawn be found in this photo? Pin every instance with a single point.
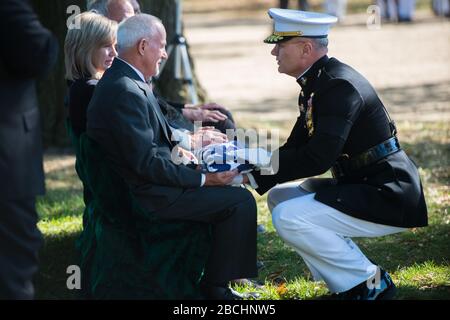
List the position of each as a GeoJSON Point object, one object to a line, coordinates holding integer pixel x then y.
{"type": "Point", "coordinates": [418, 260]}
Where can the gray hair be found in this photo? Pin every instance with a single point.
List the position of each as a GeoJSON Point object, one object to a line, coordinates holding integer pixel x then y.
{"type": "Point", "coordinates": [99, 6]}
{"type": "Point", "coordinates": [136, 6]}
{"type": "Point", "coordinates": [102, 6]}
{"type": "Point", "coordinates": [320, 43]}
{"type": "Point", "coordinates": [135, 28]}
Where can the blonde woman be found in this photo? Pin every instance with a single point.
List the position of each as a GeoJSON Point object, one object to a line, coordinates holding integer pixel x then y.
{"type": "Point", "coordinates": [89, 50]}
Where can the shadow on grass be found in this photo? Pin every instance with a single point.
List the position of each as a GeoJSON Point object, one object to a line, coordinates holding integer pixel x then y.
{"type": "Point", "coordinates": [424, 98]}
{"type": "Point", "coordinates": [423, 293]}
{"type": "Point", "coordinates": [432, 155]}
{"type": "Point", "coordinates": [281, 263]}
{"type": "Point", "coordinates": [55, 256]}
{"type": "Point", "coordinates": [415, 96]}
{"type": "Point", "coordinates": [407, 249]}
{"type": "Point", "coordinates": [61, 202]}
{"type": "Point", "coordinates": [412, 293]}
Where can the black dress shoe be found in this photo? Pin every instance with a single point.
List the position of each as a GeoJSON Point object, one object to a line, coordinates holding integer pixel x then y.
{"type": "Point", "coordinates": [221, 293]}
{"type": "Point", "coordinates": [384, 290]}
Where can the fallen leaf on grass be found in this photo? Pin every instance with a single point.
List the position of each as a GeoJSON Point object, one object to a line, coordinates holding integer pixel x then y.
{"type": "Point", "coordinates": [281, 289]}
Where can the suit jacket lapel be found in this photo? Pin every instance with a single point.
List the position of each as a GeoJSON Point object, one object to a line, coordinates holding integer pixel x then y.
{"type": "Point", "coordinates": [154, 103]}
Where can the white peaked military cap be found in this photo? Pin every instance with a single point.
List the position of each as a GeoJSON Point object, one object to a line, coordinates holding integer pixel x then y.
{"type": "Point", "coordinates": [294, 23]}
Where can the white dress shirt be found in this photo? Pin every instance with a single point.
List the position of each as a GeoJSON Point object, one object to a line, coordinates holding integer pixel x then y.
{"type": "Point", "coordinates": [140, 74]}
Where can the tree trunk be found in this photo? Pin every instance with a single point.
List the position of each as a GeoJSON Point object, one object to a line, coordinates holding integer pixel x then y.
{"type": "Point", "coordinates": [52, 89]}
{"type": "Point", "coordinates": [170, 88]}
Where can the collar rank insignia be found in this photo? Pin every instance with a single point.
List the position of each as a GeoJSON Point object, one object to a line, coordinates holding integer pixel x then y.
{"type": "Point", "coordinates": [301, 108]}
{"type": "Point", "coordinates": [303, 81]}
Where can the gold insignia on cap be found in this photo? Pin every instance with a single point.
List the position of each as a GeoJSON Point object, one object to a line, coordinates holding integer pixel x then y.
{"type": "Point", "coordinates": [288, 33]}
{"type": "Point", "coordinates": [278, 36]}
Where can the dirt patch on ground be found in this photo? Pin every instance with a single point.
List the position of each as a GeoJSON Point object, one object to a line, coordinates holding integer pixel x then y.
{"type": "Point", "coordinates": [408, 64]}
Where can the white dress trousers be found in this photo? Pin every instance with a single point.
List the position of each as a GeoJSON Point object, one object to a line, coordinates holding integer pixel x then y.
{"type": "Point", "coordinates": [321, 235]}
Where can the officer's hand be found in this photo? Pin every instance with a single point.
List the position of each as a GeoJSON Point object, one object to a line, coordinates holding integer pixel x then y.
{"type": "Point", "coordinates": [203, 115]}
{"type": "Point", "coordinates": [213, 115]}
{"type": "Point", "coordinates": [212, 106]}
{"type": "Point", "coordinates": [220, 178]}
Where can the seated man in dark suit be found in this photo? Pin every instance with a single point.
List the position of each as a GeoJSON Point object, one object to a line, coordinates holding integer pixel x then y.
{"type": "Point", "coordinates": [125, 119]}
